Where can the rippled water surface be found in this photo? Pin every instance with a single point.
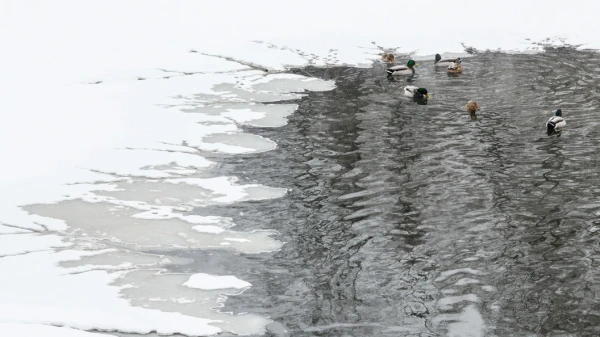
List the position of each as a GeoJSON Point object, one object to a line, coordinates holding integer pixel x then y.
{"type": "Point", "coordinates": [415, 220]}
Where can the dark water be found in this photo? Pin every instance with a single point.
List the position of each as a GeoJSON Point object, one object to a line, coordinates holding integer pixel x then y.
{"type": "Point", "coordinates": [414, 220]}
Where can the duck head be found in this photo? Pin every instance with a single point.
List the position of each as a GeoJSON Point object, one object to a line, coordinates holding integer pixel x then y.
{"type": "Point", "coordinates": [438, 57]}
{"type": "Point", "coordinates": [558, 113]}
{"type": "Point", "coordinates": [411, 64]}
{"type": "Point", "coordinates": [423, 92]}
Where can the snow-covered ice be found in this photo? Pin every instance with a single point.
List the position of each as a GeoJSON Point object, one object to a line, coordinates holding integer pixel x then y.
{"type": "Point", "coordinates": [34, 330]}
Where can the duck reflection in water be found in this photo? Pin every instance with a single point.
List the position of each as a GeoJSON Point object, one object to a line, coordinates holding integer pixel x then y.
{"type": "Point", "coordinates": [420, 101]}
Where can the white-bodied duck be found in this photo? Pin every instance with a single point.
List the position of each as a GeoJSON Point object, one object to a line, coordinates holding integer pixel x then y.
{"type": "Point", "coordinates": [408, 69]}
{"type": "Point", "coordinates": [555, 124]}
{"type": "Point", "coordinates": [440, 62]}
{"type": "Point", "coordinates": [415, 92]}
{"type": "Point", "coordinates": [455, 68]}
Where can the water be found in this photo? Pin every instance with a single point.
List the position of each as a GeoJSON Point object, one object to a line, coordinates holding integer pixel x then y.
{"type": "Point", "coordinates": [415, 220]}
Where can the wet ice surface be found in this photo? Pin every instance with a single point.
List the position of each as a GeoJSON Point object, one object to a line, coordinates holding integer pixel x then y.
{"type": "Point", "coordinates": [413, 220]}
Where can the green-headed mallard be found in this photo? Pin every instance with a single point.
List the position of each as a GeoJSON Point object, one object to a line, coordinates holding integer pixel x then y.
{"type": "Point", "coordinates": [555, 123]}
{"type": "Point", "coordinates": [415, 92]}
{"type": "Point", "coordinates": [408, 69]}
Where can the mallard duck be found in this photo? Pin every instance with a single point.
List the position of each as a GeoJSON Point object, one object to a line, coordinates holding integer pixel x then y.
{"type": "Point", "coordinates": [455, 67]}
{"type": "Point", "coordinates": [408, 69]}
{"type": "Point", "coordinates": [555, 123]}
{"type": "Point", "coordinates": [388, 58]}
{"type": "Point", "coordinates": [440, 62]}
{"type": "Point", "coordinates": [415, 92]}
{"type": "Point", "coordinates": [473, 106]}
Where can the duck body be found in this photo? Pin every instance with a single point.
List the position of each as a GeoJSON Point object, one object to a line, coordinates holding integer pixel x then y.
{"type": "Point", "coordinates": [415, 92]}
{"type": "Point", "coordinates": [555, 123]}
{"type": "Point", "coordinates": [401, 70]}
{"type": "Point", "coordinates": [473, 106]}
{"type": "Point", "coordinates": [408, 69]}
{"type": "Point", "coordinates": [410, 90]}
{"type": "Point", "coordinates": [388, 58]}
{"type": "Point", "coordinates": [440, 62]}
{"type": "Point", "coordinates": [455, 68]}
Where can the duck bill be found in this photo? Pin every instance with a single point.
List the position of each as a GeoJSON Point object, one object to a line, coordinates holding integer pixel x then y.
{"type": "Point", "coordinates": [426, 95]}
{"type": "Point", "coordinates": [416, 64]}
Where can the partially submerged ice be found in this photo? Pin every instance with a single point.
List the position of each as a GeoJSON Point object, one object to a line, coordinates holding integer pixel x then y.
{"type": "Point", "coordinates": [92, 249]}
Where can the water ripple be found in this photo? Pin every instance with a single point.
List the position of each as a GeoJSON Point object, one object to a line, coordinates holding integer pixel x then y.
{"type": "Point", "coordinates": [415, 220]}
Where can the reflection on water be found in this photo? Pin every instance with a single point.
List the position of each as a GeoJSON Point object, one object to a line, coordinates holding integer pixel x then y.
{"type": "Point", "coordinates": [413, 220]}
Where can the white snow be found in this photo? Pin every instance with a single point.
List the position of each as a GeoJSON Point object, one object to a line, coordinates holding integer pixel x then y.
{"type": "Point", "coordinates": [243, 115]}
{"type": "Point", "coordinates": [213, 282]}
{"type": "Point", "coordinates": [226, 186]}
{"type": "Point", "coordinates": [25, 243]}
{"type": "Point", "coordinates": [12, 230]}
{"type": "Point", "coordinates": [51, 295]}
{"type": "Point", "coordinates": [237, 240]}
{"type": "Point", "coordinates": [39, 330]}
{"type": "Point", "coordinates": [208, 229]}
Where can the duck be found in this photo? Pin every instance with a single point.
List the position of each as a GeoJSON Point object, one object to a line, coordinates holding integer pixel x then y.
{"type": "Point", "coordinates": [555, 123]}
{"type": "Point", "coordinates": [388, 58]}
{"type": "Point", "coordinates": [473, 106]}
{"type": "Point", "coordinates": [415, 92]}
{"type": "Point", "coordinates": [408, 69]}
{"type": "Point", "coordinates": [440, 62]}
{"type": "Point", "coordinates": [455, 68]}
